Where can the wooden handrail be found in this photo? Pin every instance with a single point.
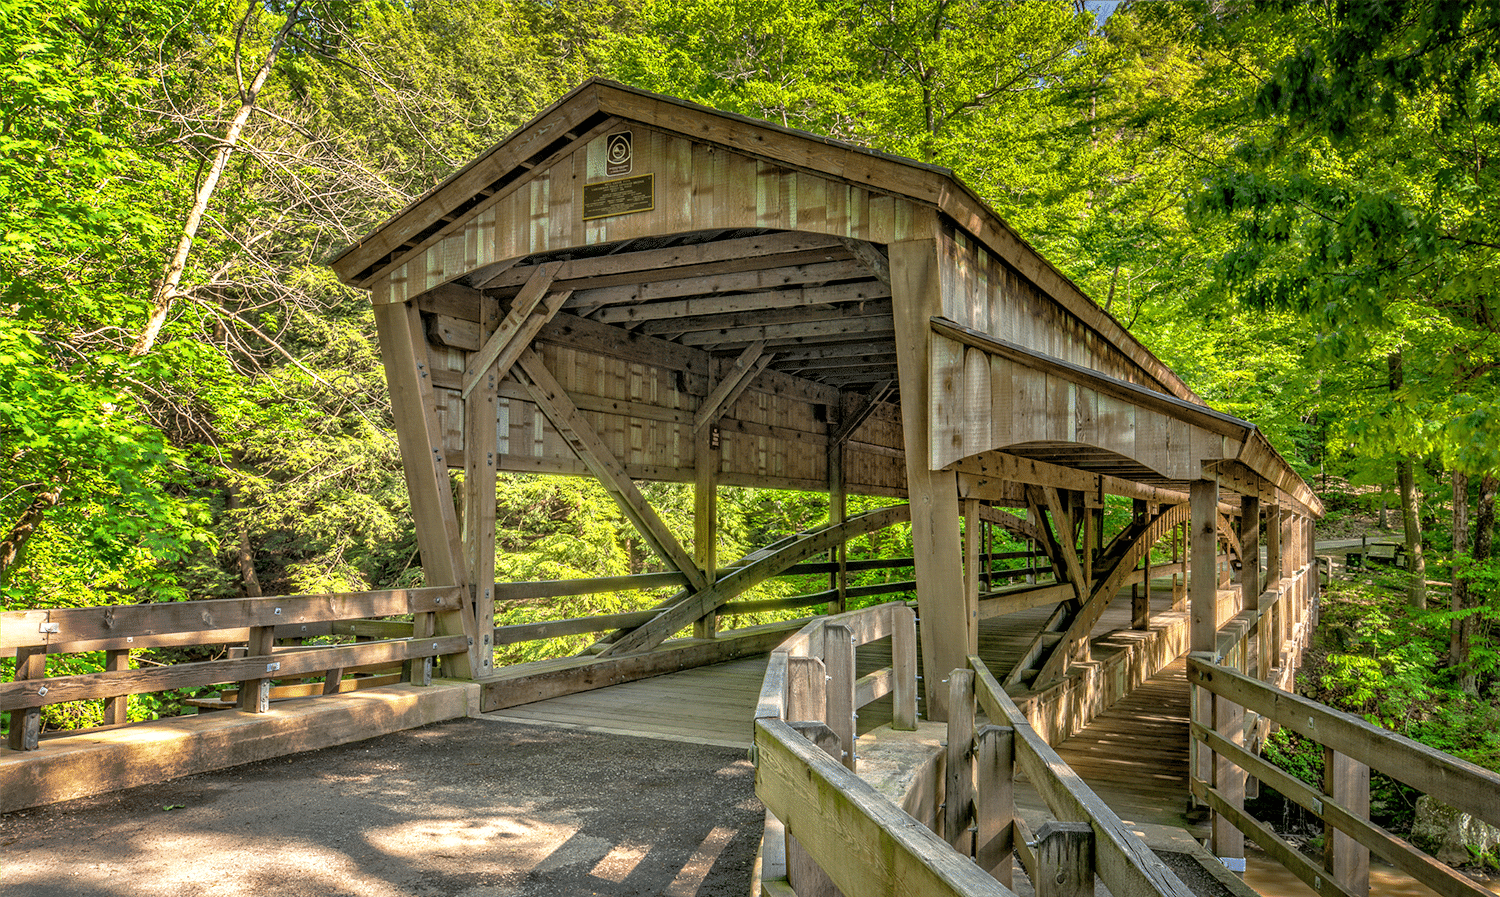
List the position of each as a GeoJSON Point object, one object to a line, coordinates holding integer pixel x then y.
{"type": "Point", "coordinates": [865, 843]}
{"type": "Point", "coordinates": [1463, 785]}
{"type": "Point", "coordinates": [1458, 783]}
{"type": "Point", "coordinates": [1123, 861]}
{"type": "Point", "coordinates": [42, 628]}
{"type": "Point", "coordinates": [29, 693]}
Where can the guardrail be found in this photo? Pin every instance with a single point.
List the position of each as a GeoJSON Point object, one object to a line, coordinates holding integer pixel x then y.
{"type": "Point", "coordinates": [1351, 748]}
{"type": "Point", "coordinates": [1087, 839]}
{"type": "Point", "coordinates": [30, 636]}
{"type": "Point", "coordinates": [828, 829]}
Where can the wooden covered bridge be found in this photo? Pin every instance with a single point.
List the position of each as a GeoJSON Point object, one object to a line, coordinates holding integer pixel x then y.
{"type": "Point", "coordinates": [640, 289]}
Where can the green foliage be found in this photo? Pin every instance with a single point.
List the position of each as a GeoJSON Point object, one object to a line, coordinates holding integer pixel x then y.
{"type": "Point", "coordinates": [1379, 658]}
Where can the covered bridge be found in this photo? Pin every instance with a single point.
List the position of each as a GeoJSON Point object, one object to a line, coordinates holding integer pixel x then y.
{"type": "Point", "coordinates": [638, 288]}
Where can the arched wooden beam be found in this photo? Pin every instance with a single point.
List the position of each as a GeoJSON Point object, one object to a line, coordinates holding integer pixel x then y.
{"type": "Point", "coordinates": [1105, 588]}
{"type": "Point", "coordinates": [1229, 536]}
{"type": "Point", "coordinates": [754, 569]}
{"type": "Point", "coordinates": [1010, 523]}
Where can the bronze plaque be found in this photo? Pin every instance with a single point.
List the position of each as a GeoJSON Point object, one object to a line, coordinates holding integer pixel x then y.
{"type": "Point", "coordinates": [622, 196]}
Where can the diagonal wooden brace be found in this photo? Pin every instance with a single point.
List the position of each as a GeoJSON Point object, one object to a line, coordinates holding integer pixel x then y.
{"type": "Point", "coordinates": [564, 415]}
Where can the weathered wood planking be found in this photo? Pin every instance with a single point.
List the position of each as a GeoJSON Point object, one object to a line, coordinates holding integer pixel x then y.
{"type": "Point", "coordinates": [1028, 403]}
{"type": "Point", "coordinates": [984, 292]}
{"type": "Point", "coordinates": [696, 187]}
{"type": "Point", "coordinates": [640, 394]}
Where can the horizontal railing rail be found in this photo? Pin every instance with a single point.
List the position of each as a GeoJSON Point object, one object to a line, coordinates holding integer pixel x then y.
{"type": "Point", "coordinates": [1352, 747]}
{"type": "Point", "coordinates": [255, 624]}
{"type": "Point", "coordinates": [1122, 860]}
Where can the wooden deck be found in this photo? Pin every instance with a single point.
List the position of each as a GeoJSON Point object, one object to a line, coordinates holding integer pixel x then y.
{"type": "Point", "coordinates": [715, 704]}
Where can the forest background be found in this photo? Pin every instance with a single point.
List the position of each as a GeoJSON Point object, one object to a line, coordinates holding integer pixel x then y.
{"type": "Point", "coordinates": [1292, 204]}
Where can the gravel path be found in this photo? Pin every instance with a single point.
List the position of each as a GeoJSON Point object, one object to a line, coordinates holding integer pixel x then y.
{"type": "Point", "coordinates": [467, 808]}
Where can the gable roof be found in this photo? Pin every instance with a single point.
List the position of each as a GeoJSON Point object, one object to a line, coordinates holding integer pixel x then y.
{"type": "Point", "coordinates": [597, 101]}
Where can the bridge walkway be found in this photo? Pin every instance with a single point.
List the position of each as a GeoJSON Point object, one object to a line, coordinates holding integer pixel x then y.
{"type": "Point", "coordinates": [715, 704]}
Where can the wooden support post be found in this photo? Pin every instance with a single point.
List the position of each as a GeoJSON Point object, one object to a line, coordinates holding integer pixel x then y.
{"type": "Point", "coordinates": [480, 449]}
{"type": "Point", "coordinates": [1250, 563]}
{"type": "Point", "coordinates": [255, 694]}
{"type": "Point", "coordinates": [1140, 593]}
{"type": "Point", "coordinates": [403, 349]}
{"type": "Point", "coordinates": [947, 634]}
{"type": "Point", "coordinates": [1203, 581]}
{"type": "Point", "coordinates": [1273, 544]}
{"type": "Point", "coordinates": [805, 876]}
{"type": "Point", "coordinates": [117, 708]}
{"type": "Point", "coordinates": [838, 659]}
{"type": "Point", "coordinates": [958, 797]}
{"type": "Point", "coordinates": [995, 806]}
{"type": "Point", "coordinates": [706, 518]}
{"type": "Point", "coordinates": [1347, 782]}
{"type": "Point", "coordinates": [903, 668]}
{"type": "Point", "coordinates": [838, 512]}
{"type": "Point", "coordinates": [1065, 860]}
{"type": "Point", "coordinates": [26, 725]}
{"type": "Point", "coordinates": [418, 670]}
{"type": "Point", "coordinates": [1179, 582]}
{"type": "Point", "coordinates": [973, 552]}
{"type": "Point", "coordinates": [1229, 779]}
{"type": "Point", "coordinates": [806, 689]}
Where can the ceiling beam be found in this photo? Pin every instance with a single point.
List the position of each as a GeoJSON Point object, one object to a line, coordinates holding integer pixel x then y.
{"type": "Point", "coordinates": [761, 279]}
{"type": "Point", "coordinates": [742, 302]}
{"type": "Point", "coordinates": [805, 315]}
{"type": "Point", "coordinates": [656, 261]}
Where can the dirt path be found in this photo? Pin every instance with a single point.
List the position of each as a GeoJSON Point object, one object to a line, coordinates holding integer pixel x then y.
{"type": "Point", "coordinates": [468, 808]}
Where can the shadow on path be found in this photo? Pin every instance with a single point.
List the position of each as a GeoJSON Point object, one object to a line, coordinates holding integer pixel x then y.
{"type": "Point", "coordinates": [467, 808]}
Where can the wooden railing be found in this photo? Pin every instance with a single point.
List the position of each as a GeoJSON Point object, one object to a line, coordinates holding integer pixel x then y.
{"type": "Point", "coordinates": [1351, 748]}
{"type": "Point", "coordinates": [787, 557]}
{"type": "Point", "coordinates": [258, 623]}
{"type": "Point", "coordinates": [1086, 838]}
{"type": "Point", "coordinates": [1238, 698]}
{"type": "Point", "coordinates": [827, 828]}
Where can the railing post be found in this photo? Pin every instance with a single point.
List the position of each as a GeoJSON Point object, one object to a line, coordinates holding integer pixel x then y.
{"type": "Point", "coordinates": [1347, 782]}
{"type": "Point", "coordinates": [418, 671]}
{"type": "Point", "coordinates": [803, 873]}
{"type": "Point", "coordinates": [1065, 860]}
{"type": "Point", "coordinates": [26, 725]}
{"type": "Point", "coordinates": [903, 668]}
{"type": "Point", "coordinates": [994, 807]}
{"type": "Point", "coordinates": [838, 659]}
{"type": "Point", "coordinates": [1229, 780]}
{"type": "Point", "coordinates": [117, 708]}
{"type": "Point", "coordinates": [1140, 589]}
{"type": "Point", "coordinates": [959, 791]}
{"type": "Point", "coordinates": [255, 694]}
{"type": "Point", "coordinates": [806, 690]}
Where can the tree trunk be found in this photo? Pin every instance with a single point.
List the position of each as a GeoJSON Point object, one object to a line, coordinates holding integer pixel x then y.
{"type": "Point", "coordinates": [168, 289]}
{"type": "Point", "coordinates": [244, 554]}
{"type": "Point", "coordinates": [1484, 535]}
{"type": "Point", "coordinates": [1458, 647]}
{"type": "Point", "coordinates": [1416, 565]}
{"type": "Point", "coordinates": [31, 518]}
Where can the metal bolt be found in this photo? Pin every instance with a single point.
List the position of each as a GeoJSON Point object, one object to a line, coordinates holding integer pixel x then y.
{"type": "Point", "coordinates": [42, 692]}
